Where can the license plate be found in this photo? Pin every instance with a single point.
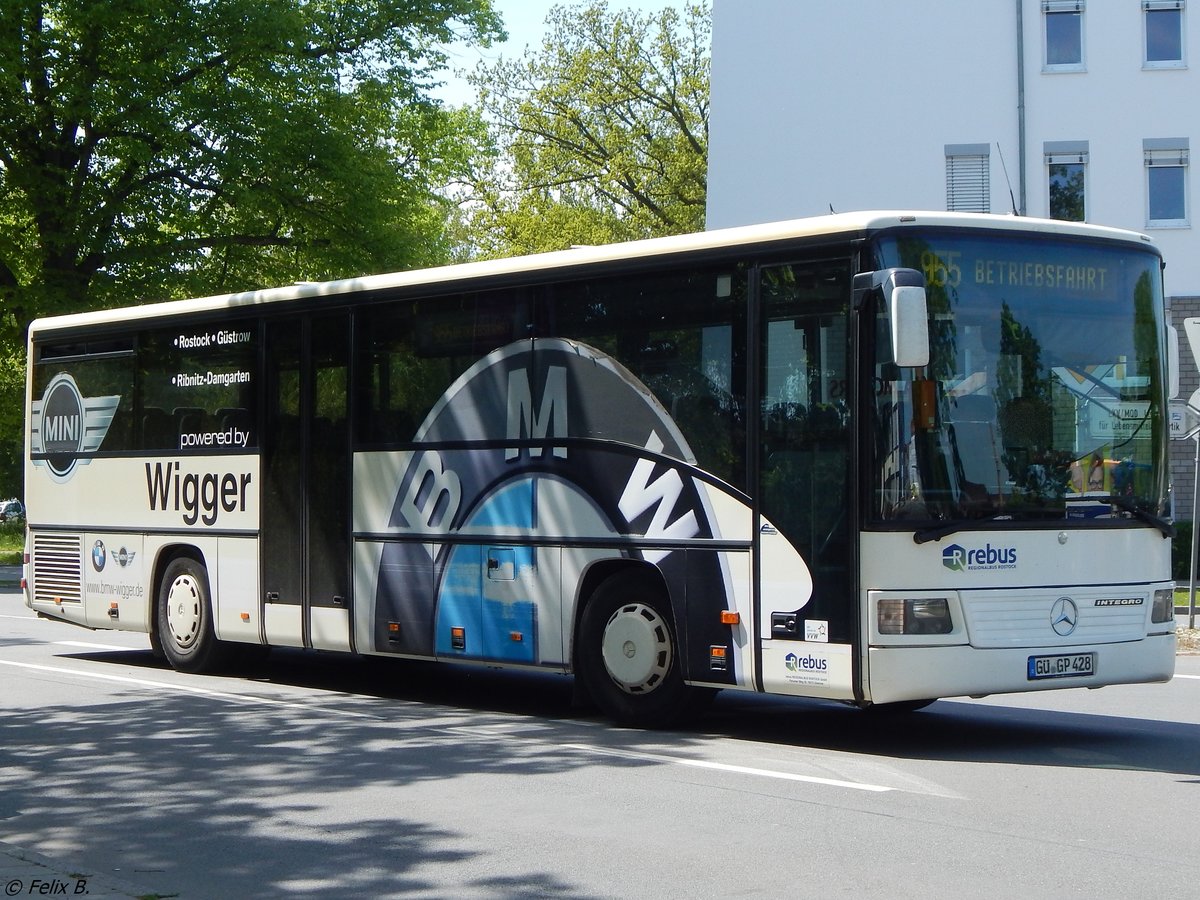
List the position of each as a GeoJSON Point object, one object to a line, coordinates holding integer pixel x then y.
{"type": "Point", "coordinates": [1070, 665]}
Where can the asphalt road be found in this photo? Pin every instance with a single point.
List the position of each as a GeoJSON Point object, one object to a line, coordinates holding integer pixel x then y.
{"type": "Point", "coordinates": [316, 775]}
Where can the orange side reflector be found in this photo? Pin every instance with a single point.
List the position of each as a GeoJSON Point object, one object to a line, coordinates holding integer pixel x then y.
{"type": "Point", "coordinates": [730, 617]}
{"type": "Point", "coordinates": [516, 637]}
{"type": "Point", "coordinates": [245, 617]}
{"type": "Point", "coordinates": [718, 658]}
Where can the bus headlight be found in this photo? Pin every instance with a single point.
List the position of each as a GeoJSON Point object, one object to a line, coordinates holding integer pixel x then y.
{"type": "Point", "coordinates": [915, 616]}
{"type": "Point", "coordinates": [1163, 608]}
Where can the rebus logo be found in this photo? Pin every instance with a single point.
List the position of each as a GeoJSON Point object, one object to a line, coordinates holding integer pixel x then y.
{"type": "Point", "coordinates": [954, 558]}
{"type": "Point", "coordinates": [809, 663]}
{"type": "Point", "coordinates": [960, 559]}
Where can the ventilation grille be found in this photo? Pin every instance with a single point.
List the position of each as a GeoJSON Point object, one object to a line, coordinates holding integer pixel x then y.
{"type": "Point", "coordinates": [58, 568]}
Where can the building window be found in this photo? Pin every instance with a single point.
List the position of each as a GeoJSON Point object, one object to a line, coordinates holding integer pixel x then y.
{"type": "Point", "coordinates": [1064, 35]}
{"type": "Point", "coordinates": [968, 178]}
{"type": "Point", "coordinates": [1164, 33]}
{"type": "Point", "coordinates": [1166, 182]}
{"type": "Point", "coordinates": [1066, 171]}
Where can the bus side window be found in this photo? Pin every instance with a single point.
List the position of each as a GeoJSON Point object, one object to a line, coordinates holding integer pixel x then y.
{"type": "Point", "coordinates": [187, 382]}
{"type": "Point", "coordinates": [408, 353]}
{"type": "Point", "coordinates": [694, 367]}
{"type": "Point", "coordinates": [156, 429]}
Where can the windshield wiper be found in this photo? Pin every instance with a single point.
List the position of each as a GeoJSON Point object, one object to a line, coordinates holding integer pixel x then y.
{"type": "Point", "coordinates": [937, 532]}
{"type": "Point", "coordinates": [1127, 505]}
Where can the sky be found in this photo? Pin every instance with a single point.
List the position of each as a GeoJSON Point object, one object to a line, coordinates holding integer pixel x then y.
{"type": "Point", "coordinates": [524, 20]}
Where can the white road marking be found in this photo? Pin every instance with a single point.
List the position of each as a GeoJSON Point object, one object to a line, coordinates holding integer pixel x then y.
{"type": "Point", "coordinates": [185, 689]}
{"type": "Point", "coordinates": [1193, 677]}
{"type": "Point", "coordinates": [726, 767]}
{"type": "Point", "coordinates": [88, 646]}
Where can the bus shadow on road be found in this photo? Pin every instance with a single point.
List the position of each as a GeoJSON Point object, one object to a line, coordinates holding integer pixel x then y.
{"type": "Point", "coordinates": [963, 731]}
{"type": "Point", "coordinates": [948, 730]}
{"type": "Point", "coordinates": [244, 785]}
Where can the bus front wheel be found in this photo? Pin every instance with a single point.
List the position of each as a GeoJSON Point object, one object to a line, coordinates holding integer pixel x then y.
{"type": "Point", "coordinates": [628, 655]}
{"type": "Point", "coordinates": [184, 622]}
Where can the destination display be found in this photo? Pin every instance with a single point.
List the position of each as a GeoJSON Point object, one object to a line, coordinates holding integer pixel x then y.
{"type": "Point", "coordinates": [949, 268]}
{"type": "Point", "coordinates": [1077, 271]}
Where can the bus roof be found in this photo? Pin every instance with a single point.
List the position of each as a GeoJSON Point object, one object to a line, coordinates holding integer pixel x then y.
{"type": "Point", "coordinates": [744, 236]}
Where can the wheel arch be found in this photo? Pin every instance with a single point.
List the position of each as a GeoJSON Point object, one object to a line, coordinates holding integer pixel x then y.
{"type": "Point", "coordinates": [166, 555]}
{"type": "Point", "coordinates": [601, 571]}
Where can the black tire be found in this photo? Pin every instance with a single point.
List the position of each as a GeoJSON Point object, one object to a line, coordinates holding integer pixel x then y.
{"type": "Point", "coordinates": [156, 646]}
{"type": "Point", "coordinates": [185, 619]}
{"type": "Point", "coordinates": [628, 656]}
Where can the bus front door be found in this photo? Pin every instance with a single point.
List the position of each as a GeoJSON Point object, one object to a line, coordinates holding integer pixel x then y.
{"type": "Point", "coordinates": [306, 484]}
{"type": "Point", "coordinates": [805, 457]}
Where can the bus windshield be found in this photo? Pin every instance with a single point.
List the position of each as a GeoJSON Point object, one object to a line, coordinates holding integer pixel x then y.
{"type": "Point", "coordinates": [1043, 397]}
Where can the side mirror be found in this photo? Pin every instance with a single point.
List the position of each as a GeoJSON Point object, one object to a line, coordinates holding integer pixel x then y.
{"type": "Point", "coordinates": [908, 312]}
{"type": "Point", "coordinates": [904, 292]}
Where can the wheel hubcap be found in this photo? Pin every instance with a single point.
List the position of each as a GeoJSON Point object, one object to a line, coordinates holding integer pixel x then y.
{"type": "Point", "coordinates": [637, 648]}
{"type": "Point", "coordinates": [183, 611]}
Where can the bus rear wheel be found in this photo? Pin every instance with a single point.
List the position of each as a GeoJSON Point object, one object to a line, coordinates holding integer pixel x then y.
{"type": "Point", "coordinates": [628, 655]}
{"type": "Point", "coordinates": [184, 621]}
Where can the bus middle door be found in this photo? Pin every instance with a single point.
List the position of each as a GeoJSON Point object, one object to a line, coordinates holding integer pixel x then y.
{"type": "Point", "coordinates": [306, 484]}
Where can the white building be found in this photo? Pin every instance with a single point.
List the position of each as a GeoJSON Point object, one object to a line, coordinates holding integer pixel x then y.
{"type": "Point", "coordinates": [1061, 108]}
{"type": "Point", "coordinates": [878, 104]}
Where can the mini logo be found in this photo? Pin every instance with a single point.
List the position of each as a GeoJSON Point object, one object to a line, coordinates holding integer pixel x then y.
{"type": "Point", "coordinates": [1063, 616]}
{"type": "Point", "coordinates": [66, 424]}
{"type": "Point", "coordinates": [99, 556]}
{"type": "Point", "coordinates": [124, 557]}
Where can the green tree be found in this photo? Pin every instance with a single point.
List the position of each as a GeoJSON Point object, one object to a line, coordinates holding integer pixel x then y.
{"type": "Point", "coordinates": [152, 149]}
{"type": "Point", "coordinates": [12, 401]}
{"type": "Point", "coordinates": [600, 135]}
{"type": "Point", "coordinates": [156, 148]}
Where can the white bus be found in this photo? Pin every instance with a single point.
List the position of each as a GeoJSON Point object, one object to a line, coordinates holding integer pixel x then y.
{"type": "Point", "coordinates": [878, 458]}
